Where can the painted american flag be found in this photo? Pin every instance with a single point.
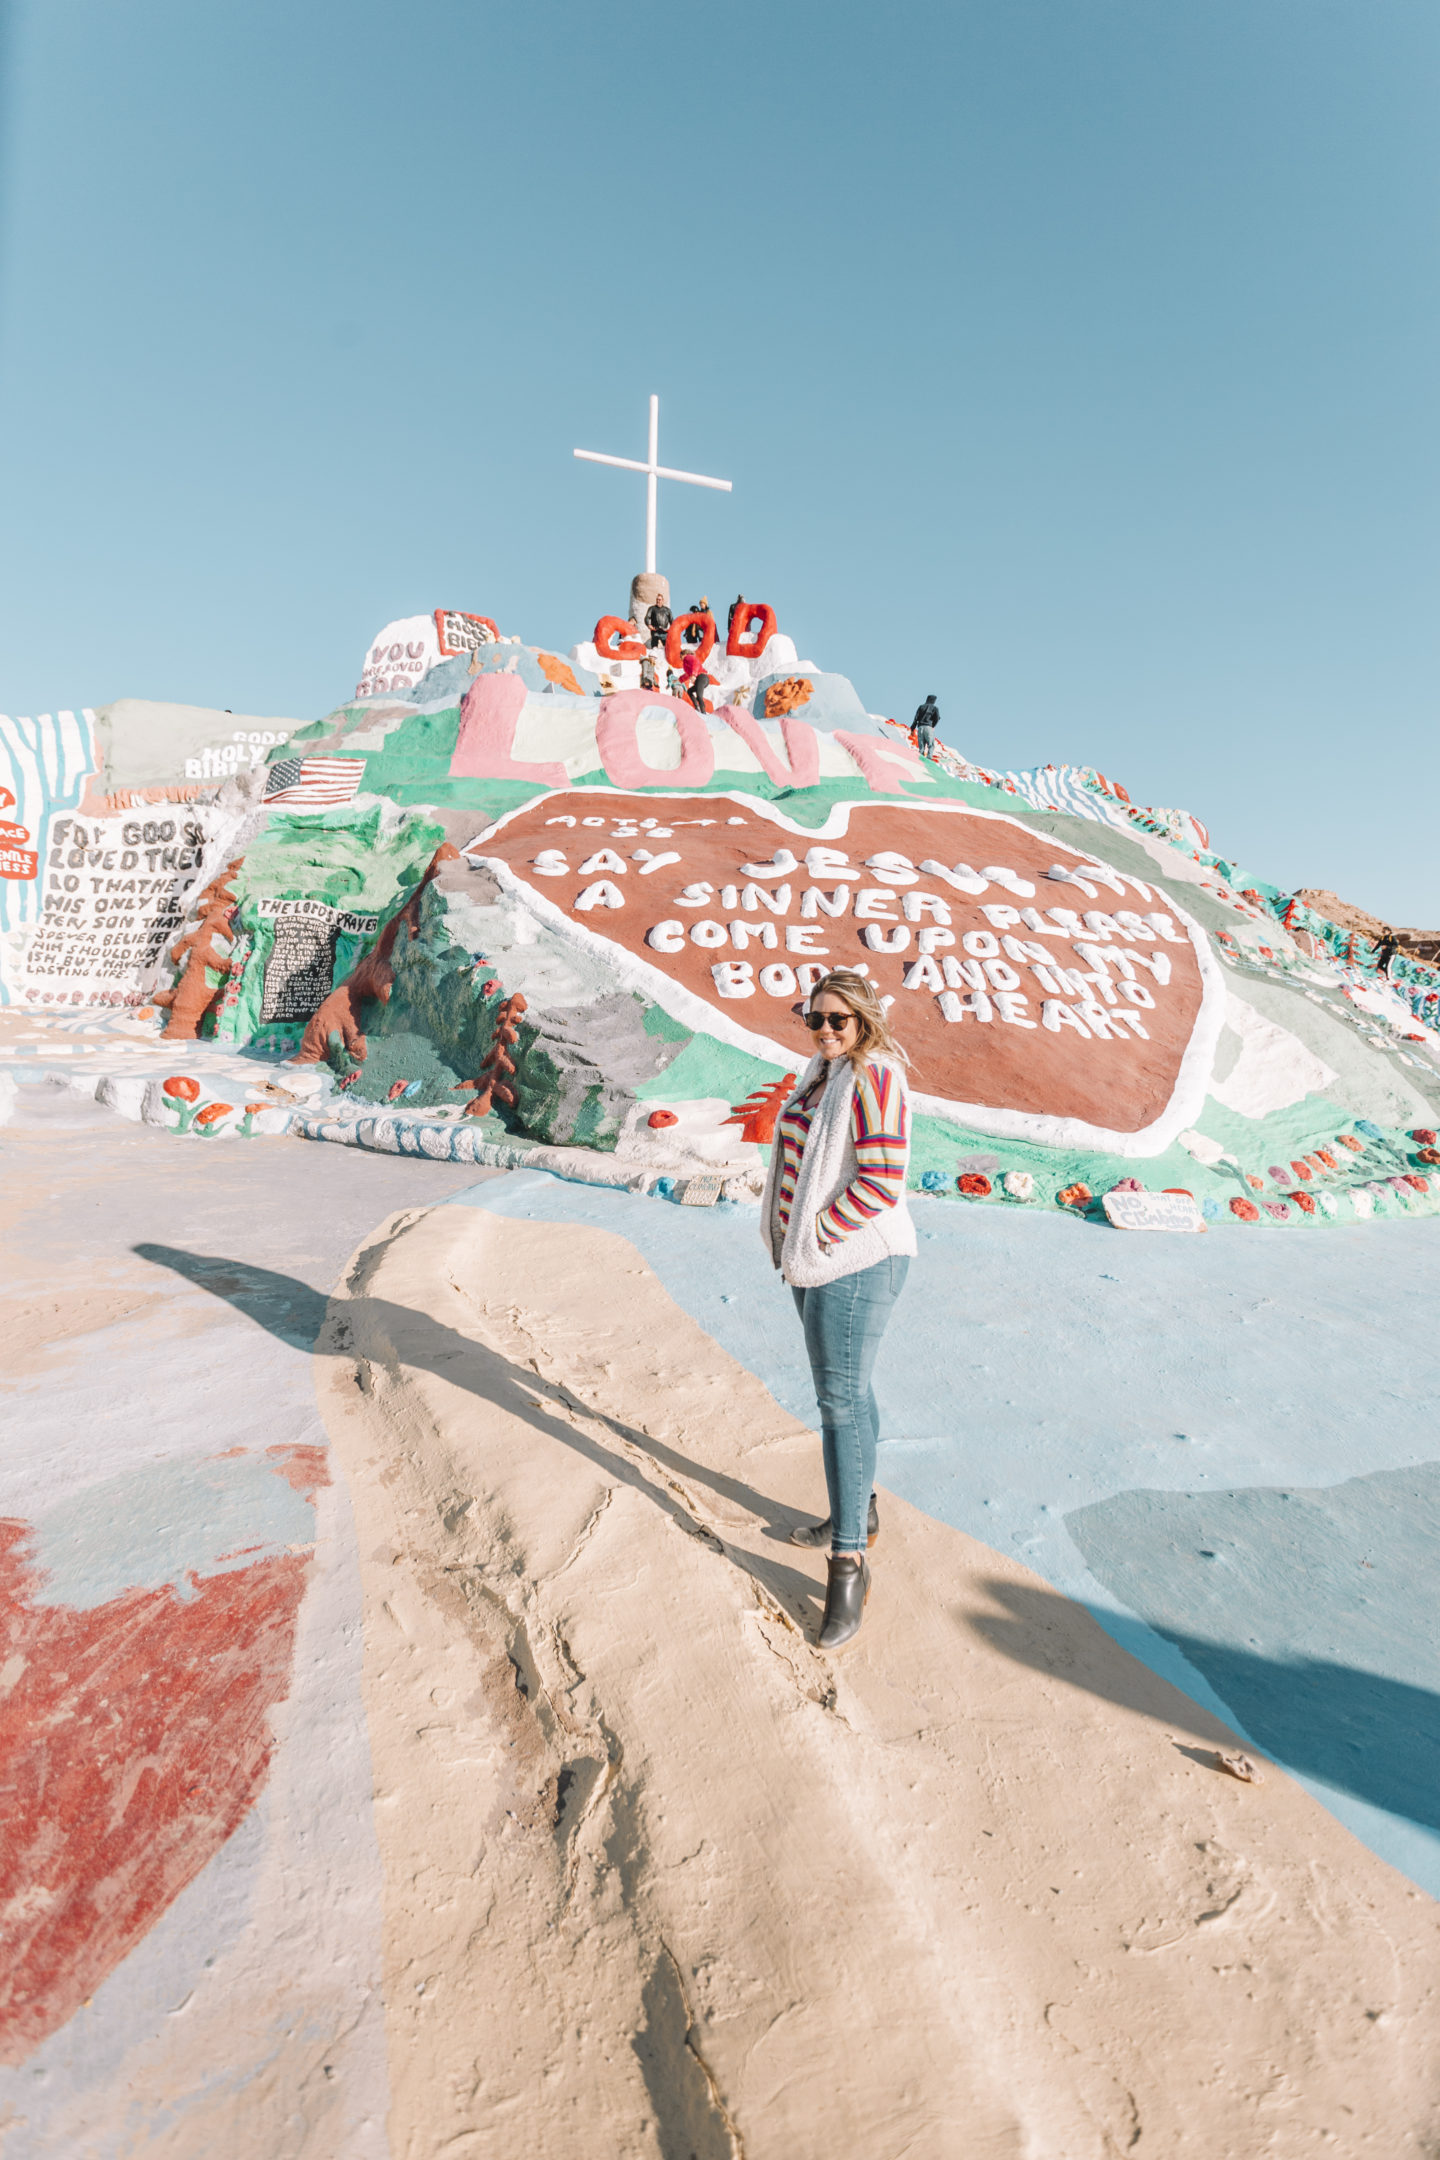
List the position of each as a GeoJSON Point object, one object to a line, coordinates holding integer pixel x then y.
{"type": "Point", "coordinates": [313, 783]}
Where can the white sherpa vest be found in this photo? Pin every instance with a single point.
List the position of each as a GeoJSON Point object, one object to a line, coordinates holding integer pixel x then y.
{"type": "Point", "coordinates": [827, 1166]}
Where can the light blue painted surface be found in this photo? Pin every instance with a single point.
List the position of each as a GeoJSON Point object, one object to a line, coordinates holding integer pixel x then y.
{"type": "Point", "coordinates": [1038, 1366]}
{"type": "Point", "coordinates": [164, 1523]}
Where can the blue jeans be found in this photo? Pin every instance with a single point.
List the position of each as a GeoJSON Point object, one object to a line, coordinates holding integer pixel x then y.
{"type": "Point", "coordinates": [843, 1323]}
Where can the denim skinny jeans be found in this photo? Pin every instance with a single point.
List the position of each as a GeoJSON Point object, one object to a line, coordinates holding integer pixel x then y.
{"type": "Point", "coordinates": [843, 1323]}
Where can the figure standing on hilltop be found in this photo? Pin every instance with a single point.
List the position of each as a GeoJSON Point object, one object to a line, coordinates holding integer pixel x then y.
{"type": "Point", "coordinates": [836, 1224]}
{"type": "Point", "coordinates": [694, 682]}
{"type": "Point", "coordinates": [658, 619]}
{"type": "Point", "coordinates": [924, 724]}
{"type": "Point", "coordinates": [1385, 952]}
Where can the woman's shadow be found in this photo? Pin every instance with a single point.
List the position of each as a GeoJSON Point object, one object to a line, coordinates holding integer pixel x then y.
{"type": "Point", "coordinates": [305, 1320]}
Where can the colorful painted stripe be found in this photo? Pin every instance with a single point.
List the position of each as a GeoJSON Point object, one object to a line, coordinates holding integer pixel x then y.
{"type": "Point", "coordinates": [43, 768]}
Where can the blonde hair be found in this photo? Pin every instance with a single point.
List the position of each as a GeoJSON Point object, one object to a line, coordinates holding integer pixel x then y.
{"type": "Point", "coordinates": [873, 1032]}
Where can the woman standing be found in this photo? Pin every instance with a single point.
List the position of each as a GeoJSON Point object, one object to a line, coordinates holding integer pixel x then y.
{"type": "Point", "coordinates": [835, 1220]}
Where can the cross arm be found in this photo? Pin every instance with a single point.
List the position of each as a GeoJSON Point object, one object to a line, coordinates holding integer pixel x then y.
{"type": "Point", "coordinates": [667, 472]}
{"type": "Point", "coordinates": [598, 457]}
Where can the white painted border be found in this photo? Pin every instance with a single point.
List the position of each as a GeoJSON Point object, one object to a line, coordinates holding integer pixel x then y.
{"type": "Point", "coordinates": [1191, 1081]}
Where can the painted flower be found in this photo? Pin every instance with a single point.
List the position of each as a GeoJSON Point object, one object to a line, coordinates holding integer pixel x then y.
{"type": "Point", "coordinates": [974, 1184]}
{"type": "Point", "coordinates": [932, 1181]}
{"type": "Point", "coordinates": [210, 1116]}
{"type": "Point", "coordinates": [1074, 1196]}
{"type": "Point", "coordinates": [398, 1089]}
{"type": "Point", "coordinates": [1428, 1155]}
{"type": "Point", "coordinates": [1128, 1184]}
{"type": "Point", "coordinates": [1019, 1184]}
{"type": "Point", "coordinates": [660, 1118]}
{"type": "Point", "coordinates": [1305, 1202]}
{"type": "Point", "coordinates": [1363, 1204]}
{"type": "Point", "coordinates": [182, 1088]}
{"type": "Point", "coordinates": [1356, 1147]}
{"type": "Point", "coordinates": [1279, 1173]}
{"type": "Point", "coordinates": [1256, 1184]}
{"type": "Point", "coordinates": [1419, 1184]}
{"type": "Point", "coordinates": [1245, 1210]}
{"type": "Point", "coordinates": [1424, 1136]}
{"type": "Point", "coordinates": [1327, 1158]}
{"type": "Point", "coordinates": [1328, 1205]}
{"type": "Point", "coordinates": [1211, 1209]}
{"type": "Point", "coordinates": [1302, 1170]}
{"type": "Point", "coordinates": [1277, 1210]}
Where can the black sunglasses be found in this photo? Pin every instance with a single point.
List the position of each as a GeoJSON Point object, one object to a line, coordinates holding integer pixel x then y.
{"type": "Point", "coordinates": [838, 1022]}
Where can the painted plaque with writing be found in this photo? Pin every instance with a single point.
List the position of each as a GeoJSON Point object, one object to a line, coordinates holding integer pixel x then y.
{"type": "Point", "coordinates": [1039, 992]}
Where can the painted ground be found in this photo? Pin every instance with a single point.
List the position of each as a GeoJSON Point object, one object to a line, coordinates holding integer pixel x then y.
{"type": "Point", "coordinates": [400, 1625]}
{"type": "Point", "coordinates": [1226, 1453]}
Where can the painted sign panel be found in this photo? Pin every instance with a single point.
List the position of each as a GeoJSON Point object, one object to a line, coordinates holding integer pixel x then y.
{"type": "Point", "coordinates": [403, 653]}
{"type": "Point", "coordinates": [300, 969]}
{"type": "Point", "coordinates": [1152, 1211]}
{"type": "Point", "coordinates": [112, 897]}
{"type": "Point", "coordinates": [1037, 990]}
{"type": "Point", "coordinates": [44, 764]}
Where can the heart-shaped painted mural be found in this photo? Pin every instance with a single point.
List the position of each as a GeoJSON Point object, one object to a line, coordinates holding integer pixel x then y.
{"type": "Point", "coordinates": [1039, 992]}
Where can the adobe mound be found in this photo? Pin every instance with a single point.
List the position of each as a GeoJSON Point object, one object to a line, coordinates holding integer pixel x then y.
{"type": "Point", "coordinates": [576, 913]}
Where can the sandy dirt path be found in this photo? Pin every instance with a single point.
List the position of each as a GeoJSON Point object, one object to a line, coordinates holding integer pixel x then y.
{"type": "Point", "coordinates": [662, 1879]}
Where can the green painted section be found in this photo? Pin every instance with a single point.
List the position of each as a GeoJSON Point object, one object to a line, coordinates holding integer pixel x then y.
{"type": "Point", "coordinates": [580, 1068]}
{"type": "Point", "coordinates": [706, 1068]}
{"type": "Point", "coordinates": [435, 1027]}
{"type": "Point", "coordinates": [343, 857]}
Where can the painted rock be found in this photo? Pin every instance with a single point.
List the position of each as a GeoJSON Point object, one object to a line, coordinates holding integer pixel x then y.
{"type": "Point", "coordinates": [1029, 991]}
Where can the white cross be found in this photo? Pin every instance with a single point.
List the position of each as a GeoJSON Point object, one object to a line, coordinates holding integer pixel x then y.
{"type": "Point", "coordinates": [653, 472]}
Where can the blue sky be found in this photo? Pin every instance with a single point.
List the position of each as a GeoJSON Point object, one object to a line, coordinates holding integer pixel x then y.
{"type": "Point", "coordinates": [1074, 359]}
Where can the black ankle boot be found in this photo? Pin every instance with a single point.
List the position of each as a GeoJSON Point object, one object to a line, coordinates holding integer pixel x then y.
{"type": "Point", "coordinates": [814, 1535]}
{"type": "Point", "coordinates": [845, 1596]}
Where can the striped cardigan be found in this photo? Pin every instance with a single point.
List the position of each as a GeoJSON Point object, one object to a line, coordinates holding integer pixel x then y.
{"type": "Point", "coordinates": [835, 1195]}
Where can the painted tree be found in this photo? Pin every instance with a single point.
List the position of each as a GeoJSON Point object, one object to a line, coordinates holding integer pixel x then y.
{"type": "Point", "coordinates": [192, 995]}
{"type": "Point", "coordinates": [498, 1069]}
{"type": "Point", "coordinates": [757, 1114]}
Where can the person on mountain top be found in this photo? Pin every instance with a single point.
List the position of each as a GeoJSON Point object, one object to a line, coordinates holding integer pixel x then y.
{"type": "Point", "coordinates": [658, 619]}
{"type": "Point", "coordinates": [735, 606]}
{"type": "Point", "coordinates": [694, 681]}
{"type": "Point", "coordinates": [924, 724]}
{"type": "Point", "coordinates": [1388, 947]}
